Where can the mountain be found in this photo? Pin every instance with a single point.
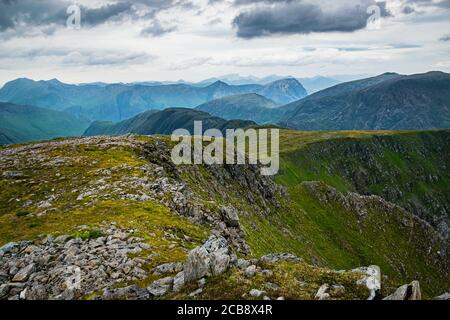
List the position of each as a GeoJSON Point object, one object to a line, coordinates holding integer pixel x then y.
{"type": "Point", "coordinates": [249, 106]}
{"type": "Point", "coordinates": [164, 122]}
{"type": "Point", "coordinates": [315, 84]}
{"type": "Point", "coordinates": [342, 201]}
{"type": "Point", "coordinates": [311, 85]}
{"type": "Point", "coordinates": [116, 102]}
{"type": "Point", "coordinates": [389, 101]}
{"type": "Point", "coordinates": [283, 91]}
{"type": "Point", "coordinates": [20, 124]}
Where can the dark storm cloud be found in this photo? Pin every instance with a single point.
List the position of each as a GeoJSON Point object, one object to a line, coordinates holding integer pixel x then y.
{"type": "Point", "coordinates": [291, 17]}
{"type": "Point", "coordinates": [31, 13]}
{"type": "Point", "coordinates": [43, 13]}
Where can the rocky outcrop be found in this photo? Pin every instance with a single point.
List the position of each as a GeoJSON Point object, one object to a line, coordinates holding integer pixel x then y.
{"type": "Point", "coordinates": [69, 268]}
{"type": "Point", "coordinates": [407, 292]}
{"type": "Point", "coordinates": [211, 259]}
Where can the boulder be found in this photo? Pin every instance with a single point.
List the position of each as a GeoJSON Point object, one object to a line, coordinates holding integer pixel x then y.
{"type": "Point", "coordinates": [211, 259]}
{"type": "Point", "coordinates": [322, 293]}
{"type": "Point", "coordinates": [230, 216]}
{"type": "Point", "coordinates": [160, 287]}
{"type": "Point", "coordinates": [24, 273]}
{"type": "Point", "coordinates": [407, 292]}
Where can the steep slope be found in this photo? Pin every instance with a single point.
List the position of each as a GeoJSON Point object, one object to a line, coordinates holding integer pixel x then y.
{"type": "Point", "coordinates": [408, 169]}
{"type": "Point", "coordinates": [20, 124]}
{"type": "Point", "coordinates": [118, 102]}
{"type": "Point", "coordinates": [389, 101]}
{"type": "Point", "coordinates": [246, 107]}
{"type": "Point", "coordinates": [127, 188]}
{"type": "Point", "coordinates": [164, 122]}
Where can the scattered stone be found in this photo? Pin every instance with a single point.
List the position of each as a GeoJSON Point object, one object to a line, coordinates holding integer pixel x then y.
{"type": "Point", "coordinates": [256, 293]}
{"type": "Point", "coordinates": [322, 293]}
{"type": "Point", "coordinates": [172, 267]}
{"type": "Point", "coordinates": [250, 271]}
{"type": "Point", "coordinates": [24, 273]}
{"type": "Point", "coordinates": [196, 292]}
{"type": "Point", "coordinates": [267, 273]}
{"type": "Point", "coordinates": [160, 287]}
{"type": "Point", "coordinates": [276, 257]}
{"type": "Point", "coordinates": [271, 286]}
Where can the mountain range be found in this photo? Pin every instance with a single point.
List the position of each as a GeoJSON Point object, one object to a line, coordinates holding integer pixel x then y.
{"type": "Point", "coordinates": [164, 122]}
{"type": "Point", "coordinates": [117, 102]}
{"type": "Point", "coordinates": [250, 106]}
{"type": "Point", "coordinates": [389, 101]}
{"type": "Point", "coordinates": [20, 124]}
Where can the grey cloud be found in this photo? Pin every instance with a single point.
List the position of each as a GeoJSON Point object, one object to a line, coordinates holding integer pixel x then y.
{"type": "Point", "coordinates": [155, 29]}
{"type": "Point", "coordinates": [445, 38]}
{"type": "Point", "coordinates": [14, 13]}
{"type": "Point", "coordinates": [78, 58]}
{"type": "Point", "coordinates": [18, 14]}
{"type": "Point", "coordinates": [301, 17]}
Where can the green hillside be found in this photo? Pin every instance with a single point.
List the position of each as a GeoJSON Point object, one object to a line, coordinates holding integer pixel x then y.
{"type": "Point", "coordinates": [20, 124]}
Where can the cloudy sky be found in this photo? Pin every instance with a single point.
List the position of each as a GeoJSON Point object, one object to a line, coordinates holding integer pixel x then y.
{"type": "Point", "coordinates": [123, 40]}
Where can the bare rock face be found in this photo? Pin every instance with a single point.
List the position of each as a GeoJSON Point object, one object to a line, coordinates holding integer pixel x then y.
{"type": "Point", "coordinates": [211, 259]}
{"type": "Point", "coordinates": [372, 280]}
{"type": "Point", "coordinates": [407, 292]}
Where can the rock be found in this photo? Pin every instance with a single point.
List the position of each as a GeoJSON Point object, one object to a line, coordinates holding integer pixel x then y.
{"type": "Point", "coordinates": [24, 273]}
{"type": "Point", "coordinates": [178, 281]}
{"type": "Point", "coordinates": [128, 293]}
{"type": "Point", "coordinates": [212, 258]}
{"type": "Point", "coordinates": [230, 216]}
{"type": "Point", "coordinates": [160, 287]}
{"type": "Point", "coordinates": [4, 290]}
{"type": "Point", "coordinates": [276, 257]}
{"type": "Point", "coordinates": [172, 267]}
{"type": "Point", "coordinates": [250, 271]}
{"type": "Point", "coordinates": [271, 286]}
{"type": "Point", "coordinates": [13, 174]}
{"type": "Point", "coordinates": [196, 292]}
{"type": "Point", "coordinates": [267, 273]}
{"type": "Point", "coordinates": [7, 248]}
{"type": "Point", "coordinates": [256, 293]}
{"type": "Point", "coordinates": [243, 264]}
{"type": "Point", "coordinates": [372, 280]}
{"type": "Point", "coordinates": [322, 293]}
{"type": "Point", "coordinates": [197, 265]}
{"type": "Point", "coordinates": [445, 296]}
{"type": "Point", "coordinates": [407, 292]}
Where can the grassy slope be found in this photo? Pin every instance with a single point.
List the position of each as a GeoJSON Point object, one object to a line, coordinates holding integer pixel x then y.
{"type": "Point", "coordinates": [326, 233]}
{"type": "Point", "coordinates": [27, 123]}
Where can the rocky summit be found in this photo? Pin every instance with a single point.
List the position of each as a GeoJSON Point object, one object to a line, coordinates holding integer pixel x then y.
{"type": "Point", "coordinates": [109, 218]}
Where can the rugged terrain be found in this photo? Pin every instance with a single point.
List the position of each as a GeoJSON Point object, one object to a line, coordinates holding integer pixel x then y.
{"type": "Point", "coordinates": [389, 101]}
{"type": "Point", "coordinates": [113, 218]}
{"type": "Point", "coordinates": [117, 102]}
{"type": "Point", "coordinates": [165, 122]}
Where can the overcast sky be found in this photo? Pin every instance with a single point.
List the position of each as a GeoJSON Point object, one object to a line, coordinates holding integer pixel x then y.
{"type": "Point", "coordinates": [125, 41]}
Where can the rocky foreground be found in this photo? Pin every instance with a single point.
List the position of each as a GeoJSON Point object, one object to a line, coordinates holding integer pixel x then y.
{"type": "Point", "coordinates": [113, 218]}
